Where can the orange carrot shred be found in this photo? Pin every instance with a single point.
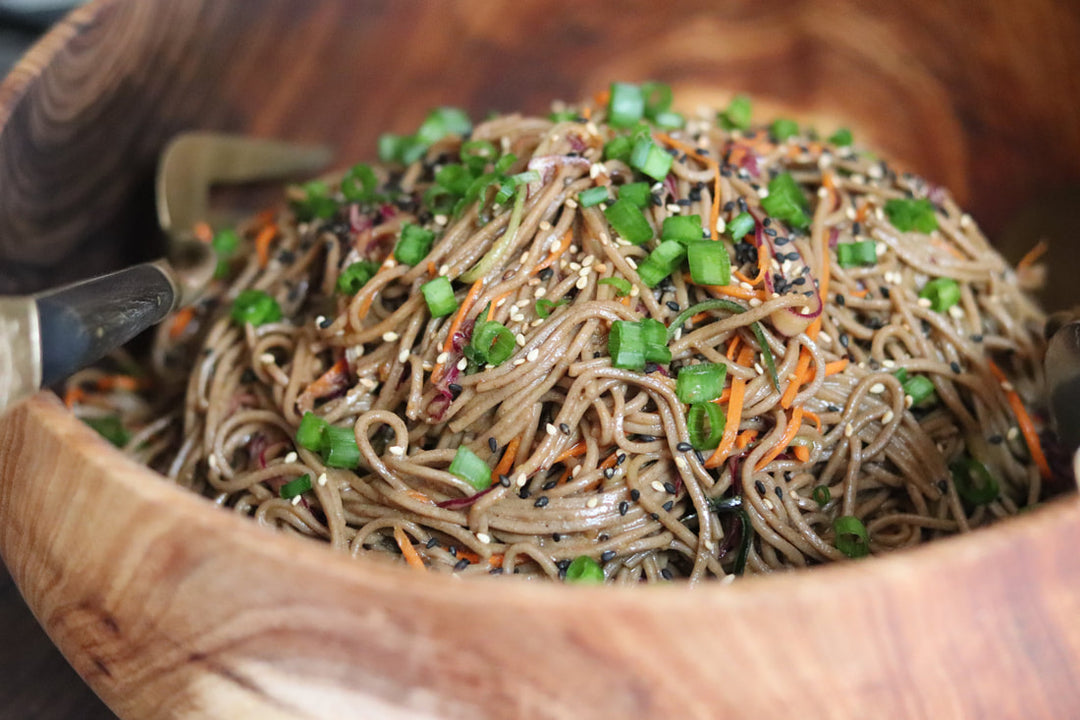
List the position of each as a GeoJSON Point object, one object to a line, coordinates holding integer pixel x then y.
{"type": "Point", "coordinates": [789, 434]}
{"type": "Point", "coordinates": [734, 346]}
{"type": "Point", "coordinates": [455, 325]}
{"type": "Point", "coordinates": [74, 394]}
{"type": "Point", "coordinates": [564, 243]}
{"type": "Point", "coordinates": [418, 496]}
{"type": "Point", "coordinates": [1027, 427]}
{"type": "Point", "coordinates": [431, 270]}
{"type": "Point", "coordinates": [734, 413]}
{"type": "Point", "coordinates": [118, 382]}
{"type": "Point", "coordinates": [1033, 255]}
{"type": "Point", "coordinates": [507, 460]}
{"type": "Point", "coordinates": [203, 232]}
{"type": "Point", "coordinates": [801, 370]}
{"type": "Point", "coordinates": [329, 382]}
{"type": "Point", "coordinates": [745, 438]}
{"type": "Point", "coordinates": [610, 461]}
{"type": "Point", "coordinates": [496, 560]}
{"type": "Point", "coordinates": [802, 453]}
{"type": "Point", "coordinates": [813, 416]}
{"type": "Point", "coordinates": [835, 367]}
{"type": "Point", "coordinates": [573, 451]}
{"type": "Point", "coordinates": [180, 322]}
{"type": "Point", "coordinates": [407, 550]}
{"type": "Point", "coordinates": [262, 244]}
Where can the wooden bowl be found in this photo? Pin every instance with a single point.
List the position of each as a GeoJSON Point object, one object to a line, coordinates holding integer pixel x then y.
{"type": "Point", "coordinates": [171, 608]}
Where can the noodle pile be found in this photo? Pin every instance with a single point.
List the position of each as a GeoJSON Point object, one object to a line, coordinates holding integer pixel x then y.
{"type": "Point", "coordinates": [589, 459]}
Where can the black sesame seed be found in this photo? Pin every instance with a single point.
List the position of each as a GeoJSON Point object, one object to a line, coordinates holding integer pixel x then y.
{"type": "Point", "coordinates": [624, 507]}
{"type": "Point", "coordinates": [454, 389]}
{"type": "Point", "coordinates": [942, 486]}
{"type": "Point", "coordinates": [668, 505]}
{"type": "Point", "coordinates": [683, 202]}
{"type": "Point", "coordinates": [609, 473]}
{"type": "Point", "coordinates": [564, 428]}
{"type": "Point", "coordinates": [700, 457]}
{"type": "Point", "coordinates": [461, 565]}
{"type": "Point", "coordinates": [651, 367]}
{"type": "Point", "coordinates": [856, 228]}
{"type": "Point", "coordinates": [646, 438]}
{"type": "Point", "coordinates": [656, 199]}
{"type": "Point", "coordinates": [654, 516]}
{"type": "Point", "coordinates": [832, 408]}
{"type": "Point", "coordinates": [248, 376]}
{"type": "Point", "coordinates": [799, 281]}
{"type": "Point", "coordinates": [684, 447]}
{"type": "Point", "coordinates": [562, 565]}
{"type": "Point", "coordinates": [770, 232]}
{"type": "Point", "coordinates": [666, 574]}
{"type": "Point", "coordinates": [635, 494]}
{"type": "Point", "coordinates": [977, 338]}
{"type": "Point", "coordinates": [541, 501]}
{"type": "Point", "coordinates": [767, 222]}
{"type": "Point", "coordinates": [884, 292]}
{"type": "Point", "coordinates": [524, 493]}
{"type": "Point", "coordinates": [286, 257]}
{"type": "Point", "coordinates": [492, 445]}
{"type": "Point", "coordinates": [669, 488]}
{"type": "Point", "coordinates": [607, 556]}
{"type": "Point", "coordinates": [695, 193]}
{"type": "Point", "coordinates": [432, 542]}
{"type": "Point", "coordinates": [620, 460]}
{"type": "Point", "coordinates": [603, 537]}
{"type": "Point", "coordinates": [781, 241]}
{"type": "Point", "coordinates": [556, 537]}
{"type": "Point", "coordinates": [995, 439]}
{"type": "Point", "coordinates": [844, 339]}
{"type": "Point", "coordinates": [760, 487]}
{"type": "Point", "coordinates": [779, 492]}
{"type": "Point", "coordinates": [546, 273]}
{"type": "Point", "coordinates": [325, 323]}
{"type": "Point", "coordinates": [452, 550]}
{"type": "Point", "coordinates": [504, 480]}
{"type": "Point", "coordinates": [672, 306]}
{"type": "Point", "coordinates": [729, 206]}
{"type": "Point", "coordinates": [495, 571]}
{"type": "Point", "coordinates": [955, 366]}
{"type": "Point", "coordinates": [550, 484]}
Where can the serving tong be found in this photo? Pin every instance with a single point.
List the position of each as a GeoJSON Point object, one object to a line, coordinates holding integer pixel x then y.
{"type": "Point", "coordinates": [46, 337]}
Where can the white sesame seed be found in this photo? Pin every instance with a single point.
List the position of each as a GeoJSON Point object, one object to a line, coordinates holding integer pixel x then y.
{"type": "Point", "coordinates": [426, 366]}
{"type": "Point", "coordinates": [1013, 433]}
{"type": "Point", "coordinates": [727, 579]}
{"type": "Point", "coordinates": [672, 208]}
{"type": "Point", "coordinates": [631, 262]}
{"type": "Point", "coordinates": [544, 225]}
{"type": "Point", "coordinates": [571, 203]}
{"type": "Point", "coordinates": [888, 363]}
{"type": "Point", "coordinates": [403, 356]}
{"type": "Point", "coordinates": [720, 225]}
{"type": "Point", "coordinates": [521, 303]}
{"type": "Point", "coordinates": [763, 192]}
{"type": "Point", "coordinates": [573, 249]}
{"type": "Point", "coordinates": [825, 338]}
{"type": "Point", "coordinates": [908, 401]}
{"type": "Point", "coordinates": [483, 537]}
{"type": "Point", "coordinates": [575, 266]}
{"type": "Point", "coordinates": [745, 285]}
{"type": "Point", "coordinates": [533, 355]}
{"type": "Point", "coordinates": [592, 502]}
{"type": "Point", "coordinates": [822, 193]}
{"type": "Point", "coordinates": [956, 312]}
{"type": "Point", "coordinates": [965, 220]}
{"type": "Point", "coordinates": [396, 450]}
{"type": "Point", "coordinates": [524, 258]}
{"type": "Point", "coordinates": [880, 249]}
{"type": "Point", "coordinates": [877, 388]}
{"type": "Point", "coordinates": [755, 302]}
{"type": "Point", "coordinates": [768, 503]}
{"type": "Point", "coordinates": [582, 283]}
{"type": "Point", "coordinates": [444, 270]}
{"type": "Point", "coordinates": [320, 319]}
{"type": "Point", "coordinates": [322, 480]}
{"type": "Point", "coordinates": [540, 292]}
{"type": "Point", "coordinates": [368, 384]}
{"type": "Point", "coordinates": [266, 359]}
{"type": "Point", "coordinates": [709, 545]}
{"type": "Point", "coordinates": [440, 219]}
{"type": "Point", "coordinates": [519, 361]}
{"type": "Point", "coordinates": [888, 417]}
{"type": "Point", "coordinates": [680, 462]}
{"type": "Point", "coordinates": [501, 302]}
{"type": "Point", "coordinates": [296, 500]}
{"type": "Point", "coordinates": [551, 429]}
{"type": "Point", "coordinates": [759, 369]}
{"type": "Point", "coordinates": [924, 302]}
{"type": "Point", "coordinates": [657, 486]}
{"type": "Point", "coordinates": [635, 291]}
{"type": "Point", "coordinates": [291, 457]}
{"type": "Point", "coordinates": [520, 479]}
{"type": "Point", "coordinates": [390, 336]}
{"type": "Point", "coordinates": [1006, 386]}
{"type": "Point", "coordinates": [849, 430]}
{"type": "Point", "coordinates": [442, 358]}
{"type": "Point", "coordinates": [212, 462]}
{"type": "Point", "coordinates": [583, 272]}
{"type": "Point", "coordinates": [462, 364]}
{"type": "Point", "coordinates": [596, 169]}
{"type": "Point", "coordinates": [537, 322]}
{"type": "Point", "coordinates": [520, 339]}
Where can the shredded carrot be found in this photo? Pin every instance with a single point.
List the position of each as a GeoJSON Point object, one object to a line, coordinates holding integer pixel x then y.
{"type": "Point", "coordinates": [365, 304]}
{"type": "Point", "coordinates": [733, 347]}
{"type": "Point", "coordinates": [418, 496]}
{"type": "Point", "coordinates": [1032, 255]}
{"type": "Point", "coordinates": [860, 212]}
{"type": "Point", "coordinates": [813, 416]}
{"type": "Point", "coordinates": [802, 453]}
{"type": "Point", "coordinates": [467, 555]}
{"type": "Point", "coordinates": [432, 271]}
{"type": "Point", "coordinates": [789, 434]}
{"type": "Point", "coordinates": [699, 317]}
{"type": "Point", "coordinates": [745, 438]}
{"type": "Point", "coordinates": [860, 293]}
{"type": "Point", "coordinates": [407, 550]}
{"type": "Point", "coordinates": [455, 325]}
{"type": "Point", "coordinates": [203, 232]}
{"type": "Point", "coordinates": [330, 381]}
{"type": "Point", "coordinates": [565, 475]}
{"type": "Point", "coordinates": [1027, 427]}
{"type": "Point", "coordinates": [738, 152]}
{"type": "Point", "coordinates": [734, 413]}
{"type": "Point", "coordinates": [762, 268]}
{"type": "Point", "coordinates": [602, 97]}
{"type": "Point", "coordinates": [610, 461]}
{"type": "Point", "coordinates": [735, 291]}
{"type": "Point", "coordinates": [625, 300]}
{"type": "Point", "coordinates": [496, 560]}
{"type": "Point", "coordinates": [835, 367]}
{"type": "Point", "coordinates": [507, 460]}
{"type": "Point", "coordinates": [118, 382]}
{"type": "Point", "coordinates": [724, 396]}
{"type": "Point", "coordinates": [74, 394]}
{"type": "Point", "coordinates": [573, 451]}
{"type": "Point", "coordinates": [802, 368]}
{"type": "Point", "coordinates": [564, 243]}
{"type": "Point", "coordinates": [714, 212]}
{"type": "Point", "coordinates": [262, 243]}
{"type": "Point", "coordinates": [180, 322]}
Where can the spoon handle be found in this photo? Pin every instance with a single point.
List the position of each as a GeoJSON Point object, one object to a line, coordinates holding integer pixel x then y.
{"type": "Point", "coordinates": [46, 337]}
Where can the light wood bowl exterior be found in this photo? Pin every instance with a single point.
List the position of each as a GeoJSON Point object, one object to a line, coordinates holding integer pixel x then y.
{"type": "Point", "coordinates": [171, 608]}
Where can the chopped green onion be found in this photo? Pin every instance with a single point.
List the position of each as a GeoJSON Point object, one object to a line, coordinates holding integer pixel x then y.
{"type": "Point", "coordinates": [310, 433]}
{"type": "Point", "coordinates": [684, 228]}
{"type": "Point", "coordinates": [719, 304]}
{"type": "Point", "coordinates": [782, 129]}
{"type": "Point", "coordinates": [786, 202]}
{"type": "Point", "coordinates": [414, 245]}
{"type": "Point", "coordinates": [476, 154]}
{"type": "Point", "coordinates": [443, 121]}
{"type": "Point", "coordinates": [583, 570]}
{"type": "Point", "coordinates": [628, 221]}
{"type": "Point", "coordinates": [910, 214]}
{"type": "Point", "coordinates": [669, 120]}
{"type": "Point", "coordinates": [901, 375]}
{"type": "Point", "coordinates": [841, 138]}
{"type": "Point", "coordinates": [742, 224]}
{"type": "Point", "coordinates": [439, 295]}
{"type": "Point", "coordinates": [766, 352]}
{"type": "Point", "coordinates": [701, 383]}
{"type": "Point", "coordinates": [709, 262]}
{"type": "Point", "coordinates": [592, 196]}
{"type": "Point", "coordinates": [921, 390]}
{"type": "Point", "coordinates": [618, 148]}
{"type": "Point", "coordinates": [296, 487]}
{"type": "Point", "coordinates": [855, 254]}
{"type": "Point", "coordinates": [493, 342]}
{"type": "Point", "coordinates": [339, 448]}
{"type": "Point", "coordinates": [973, 481]}
{"type": "Point", "coordinates": [637, 193]}
{"type": "Point", "coordinates": [626, 345]}
{"type": "Point", "coordinates": [440, 200]}
{"type": "Point", "coordinates": [359, 183]}
{"type": "Point", "coordinates": [942, 292]}
{"type": "Point", "coordinates": [455, 178]}
{"type": "Point", "coordinates": [545, 307]}
{"type": "Point", "coordinates": [505, 192]}
{"type": "Point", "coordinates": [657, 97]}
{"type": "Point", "coordinates": [822, 495]}
{"type": "Point", "coordinates": [626, 105]}
{"type": "Point", "coordinates": [661, 262]}
{"type": "Point", "coordinates": [503, 163]}
{"type": "Point", "coordinates": [851, 536]}
{"type": "Point", "coordinates": [654, 336]}
{"type": "Point", "coordinates": [255, 307]}
{"type": "Point", "coordinates": [468, 466]}
{"type": "Point", "coordinates": [390, 147]}
{"type": "Point", "coordinates": [225, 243]}
{"type": "Point", "coordinates": [737, 115]}
{"type": "Point", "coordinates": [650, 159]}
{"type": "Point", "coordinates": [316, 202]}
{"type": "Point", "coordinates": [622, 285]}
{"type": "Point", "coordinates": [705, 425]}
{"type": "Point", "coordinates": [111, 428]}
{"type": "Point", "coordinates": [356, 276]}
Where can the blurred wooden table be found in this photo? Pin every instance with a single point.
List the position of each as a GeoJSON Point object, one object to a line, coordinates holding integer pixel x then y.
{"type": "Point", "coordinates": [36, 682]}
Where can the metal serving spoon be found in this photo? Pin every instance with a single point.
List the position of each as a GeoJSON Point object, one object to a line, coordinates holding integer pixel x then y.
{"type": "Point", "coordinates": [48, 336]}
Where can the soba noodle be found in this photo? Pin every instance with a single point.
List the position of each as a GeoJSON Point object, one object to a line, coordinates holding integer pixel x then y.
{"type": "Point", "coordinates": [590, 459]}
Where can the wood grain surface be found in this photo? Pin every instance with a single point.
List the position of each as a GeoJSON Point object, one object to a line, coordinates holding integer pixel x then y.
{"type": "Point", "coordinates": [172, 609]}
